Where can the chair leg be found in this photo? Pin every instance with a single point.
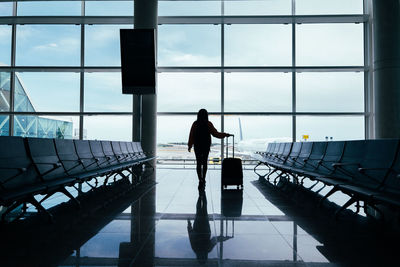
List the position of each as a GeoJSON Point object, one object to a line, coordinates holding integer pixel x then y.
{"type": "Point", "coordinates": [275, 170]}
{"type": "Point", "coordinates": [345, 206]}
{"type": "Point", "coordinates": [123, 175]}
{"type": "Point", "coordinates": [333, 190]}
{"type": "Point", "coordinates": [10, 209]}
{"type": "Point", "coordinates": [68, 194]}
{"type": "Point", "coordinates": [259, 175]}
{"type": "Point", "coordinates": [319, 190]}
{"type": "Point", "coordinates": [311, 187]}
{"type": "Point", "coordinates": [91, 186]}
{"type": "Point", "coordinates": [106, 180]}
{"type": "Point", "coordinates": [278, 177]}
{"type": "Point", "coordinates": [40, 208]}
{"type": "Point", "coordinates": [46, 197]}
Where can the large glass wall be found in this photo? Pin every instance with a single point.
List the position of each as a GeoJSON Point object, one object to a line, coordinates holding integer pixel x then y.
{"type": "Point", "coordinates": [265, 70]}
{"type": "Point", "coordinates": [60, 74]}
{"type": "Point", "coordinates": [273, 70]}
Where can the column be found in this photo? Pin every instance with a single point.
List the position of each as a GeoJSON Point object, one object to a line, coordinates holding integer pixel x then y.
{"type": "Point", "coordinates": [386, 30]}
{"type": "Point", "coordinates": [146, 18]}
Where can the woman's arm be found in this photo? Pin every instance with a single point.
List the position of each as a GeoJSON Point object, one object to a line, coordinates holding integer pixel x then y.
{"type": "Point", "coordinates": [190, 141]}
{"type": "Point", "coordinates": [215, 133]}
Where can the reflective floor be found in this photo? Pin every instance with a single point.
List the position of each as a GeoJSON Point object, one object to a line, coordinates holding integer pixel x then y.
{"type": "Point", "coordinates": [171, 223]}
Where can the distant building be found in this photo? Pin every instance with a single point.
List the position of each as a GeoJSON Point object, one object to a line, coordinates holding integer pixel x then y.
{"type": "Point", "coordinates": [28, 125]}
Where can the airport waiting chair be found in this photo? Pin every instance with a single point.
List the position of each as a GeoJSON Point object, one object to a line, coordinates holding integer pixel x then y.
{"type": "Point", "coordinates": [85, 156]}
{"type": "Point", "coordinates": [19, 180]}
{"type": "Point", "coordinates": [50, 170]}
{"type": "Point", "coordinates": [389, 191]}
{"type": "Point", "coordinates": [301, 161]}
{"type": "Point", "coordinates": [346, 168]}
{"type": "Point", "coordinates": [131, 151]}
{"type": "Point", "coordinates": [74, 165]}
{"type": "Point", "coordinates": [313, 162]}
{"type": "Point", "coordinates": [124, 149]}
{"type": "Point", "coordinates": [372, 172]}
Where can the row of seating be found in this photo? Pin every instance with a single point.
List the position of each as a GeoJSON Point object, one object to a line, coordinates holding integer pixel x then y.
{"type": "Point", "coordinates": [32, 166]}
{"type": "Point", "coordinates": [366, 170]}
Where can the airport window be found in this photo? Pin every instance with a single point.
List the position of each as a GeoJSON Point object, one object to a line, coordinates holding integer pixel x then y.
{"type": "Point", "coordinates": [48, 45]}
{"type": "Point", "coordinates": [6, 9]}
{"type": "Point", "coordinates": [258, 45]}
{"type": "Point", "coordinates": [173, 134]}
{"type": "Point", "coordinates": [108, 127]}
{"type": "Point", "coordinates": [189, 8]}
{"type": "Point", "coordinates": [189, 45]}
{"type": "Point", "coordinates": [5, 45]}
{"type": "Point", "coordinates": [329, 45]}
{"type": "Point", "coordinates": [329, 7]}
{"type": "Point", "coordinates": [258, 8]}
{"type": "Point", "coordinates": [61, 127]}
{"type": "Point", "coordinates": [257, 131]}
{"type": "Point", "coordinates": [249, 67]}
{"type": "Point", "coordinates": [330, 92]}
{"type": "Point", "coordinates": [49, 8]}
{"type": "Point", "coordinates": [193, 92]}
{"type": "Point", "coordinates": [103, 93]}
{"type": "Point", "coordinates": [4, 125]}
{"type": "Point", "coordinates": [4, 93]}
{"type": "Point", "coordinates": [258, 91]}
{"type": "Point", "coordinates": [102, 46]}
{"type": "Point", "coordinates": [47, 92]}
{"type": "Point", "coordinates": [335, 128]}
{"type": "Point", "coordinates": [108, 8]}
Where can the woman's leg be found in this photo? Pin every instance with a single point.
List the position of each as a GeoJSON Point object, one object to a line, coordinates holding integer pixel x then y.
{"type": "Point", "coordinates": [205, 164]}
{"type": "Point", "coordinates": [198, 169]}
{"type": "Point", "coordinates": [199, 164]}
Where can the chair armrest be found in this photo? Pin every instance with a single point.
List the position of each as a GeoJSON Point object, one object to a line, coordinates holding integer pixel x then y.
{"type": "Point", "coordinates": [13, 168]}
{"type": "Point", "coordinates": [338, 164]}
{"type": "Point", "coordinates": [368, 169]}
{"type": "Point", "coordinates": [55, 165]}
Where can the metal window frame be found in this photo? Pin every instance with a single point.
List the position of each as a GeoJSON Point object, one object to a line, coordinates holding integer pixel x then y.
{"type": "Point", "coordinates": [222, 20]}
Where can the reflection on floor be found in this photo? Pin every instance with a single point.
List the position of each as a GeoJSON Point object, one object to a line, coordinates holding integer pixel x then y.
{"type": "Point", "coordinates": [173, 224]}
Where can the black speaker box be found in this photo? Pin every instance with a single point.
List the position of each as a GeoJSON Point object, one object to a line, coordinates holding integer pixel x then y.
{"type": "Point", "coordinates": [138, 61]}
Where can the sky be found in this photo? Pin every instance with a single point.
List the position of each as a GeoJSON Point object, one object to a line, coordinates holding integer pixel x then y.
{"type": "Point", "coordinates": [200, 45]}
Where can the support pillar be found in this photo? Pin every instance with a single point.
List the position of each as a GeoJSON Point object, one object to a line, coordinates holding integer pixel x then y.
{"type": "Point", "coordinates": [146, 18]}
{"type": "Point", "coordinates": [386, 27]}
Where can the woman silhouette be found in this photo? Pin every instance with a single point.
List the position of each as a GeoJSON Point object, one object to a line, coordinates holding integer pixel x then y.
{"type": "Point", "coordinates": [200, 137]}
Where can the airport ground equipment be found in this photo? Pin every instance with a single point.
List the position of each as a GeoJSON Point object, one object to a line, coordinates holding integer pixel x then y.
{"type": "Point", "coordinates": [41, 166]}
{"type": "Point", "coordinates": [366, 170]}
{"type": "Point", "coordinates": [232, 171]}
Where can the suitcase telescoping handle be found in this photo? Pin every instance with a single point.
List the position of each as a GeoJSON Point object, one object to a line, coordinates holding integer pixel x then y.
{"type": "Point", "coordinates": [233, 145]}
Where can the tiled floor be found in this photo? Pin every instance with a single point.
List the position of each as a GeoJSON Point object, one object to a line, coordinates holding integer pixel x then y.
{"type": "Point", "coordinates": [262, 235]}
{"type": "Point", "coordinates": [172, 224]}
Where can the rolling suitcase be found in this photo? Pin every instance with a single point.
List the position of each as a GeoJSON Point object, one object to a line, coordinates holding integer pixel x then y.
{"type": "Point", "coordinates": [232, 172]}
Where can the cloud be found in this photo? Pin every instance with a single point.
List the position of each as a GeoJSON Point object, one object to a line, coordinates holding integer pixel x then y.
{"type": "Point", "coordinates": [65, 45]}
{"type": "Point", "coordinates": [169, 57]}
{"type": "Point", "coordinates": [103, 35]}
{"type": "Point", "coordinates": [46, 46]}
